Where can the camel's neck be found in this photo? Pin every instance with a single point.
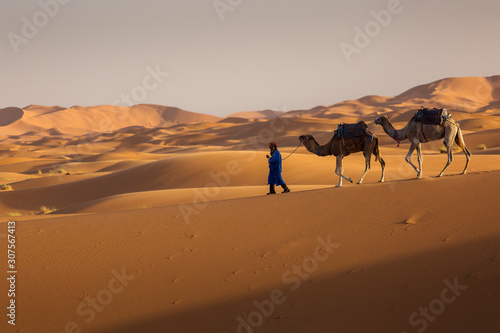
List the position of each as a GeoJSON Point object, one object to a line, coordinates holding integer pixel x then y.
{"type": "Point", "coordinates": [315, 148]}
{"type": "Point", "coordinates": [398, 135]}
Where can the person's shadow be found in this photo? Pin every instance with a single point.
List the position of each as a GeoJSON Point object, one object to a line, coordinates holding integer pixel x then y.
{"type": "Point", "coordinates": [10, 115]}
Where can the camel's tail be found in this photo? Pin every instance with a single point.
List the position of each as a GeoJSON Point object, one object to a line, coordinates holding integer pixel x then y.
{"type": "Point", "coordinates": [459, 140]}
{"type": "Point", "coordinates": [376, 150]}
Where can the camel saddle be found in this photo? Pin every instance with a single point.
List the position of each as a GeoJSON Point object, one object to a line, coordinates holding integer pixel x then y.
{"type": "Point", "coordinates": [354, 131]}
{"type": "Point", "coordinates": [432, 116]}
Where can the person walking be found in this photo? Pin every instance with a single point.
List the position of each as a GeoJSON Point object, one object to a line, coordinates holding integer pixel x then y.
{"type": "Point", "coordinates": [274, 177]}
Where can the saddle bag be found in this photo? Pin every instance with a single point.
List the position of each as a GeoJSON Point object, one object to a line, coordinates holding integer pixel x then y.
{"type": "Point", "coordinates": [356, 131]}
{"type": "Point", "coordinates": [431, 116]}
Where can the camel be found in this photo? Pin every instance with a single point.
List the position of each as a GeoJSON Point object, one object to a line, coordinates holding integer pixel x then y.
{"type": "Point", "coordinates": [337, 146]}
{"type": "Point", "coordinates": [449, 130]}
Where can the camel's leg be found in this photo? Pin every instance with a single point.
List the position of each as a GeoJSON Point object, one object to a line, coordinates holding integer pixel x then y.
{"type": "Point", "coordinates": [419, 157]}
{"type": "Point", "coordinates": [382, 164]}
{"type": "Point", "coordinates": [449, 151]}
{"type": "Point", "coordinates": [339, 171]}
{"type": "Point", "coordinates": [376, 152]}
{"type": "Point", "coordinates": [408, 156]}
{"type": "Point", "coordinates": [459, 139]}
{"type": "Point", "coordinates": [367, 167]}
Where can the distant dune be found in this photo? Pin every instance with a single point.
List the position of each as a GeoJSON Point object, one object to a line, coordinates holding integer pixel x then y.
{"type": "Point", "coordinates": [104, 118]}
{"type": "Point", "coordinates": [471, 94]}
{"type": "Point", "coordinates": [267, 114]}
{"type": "Point", "coordinates": [466, 94]}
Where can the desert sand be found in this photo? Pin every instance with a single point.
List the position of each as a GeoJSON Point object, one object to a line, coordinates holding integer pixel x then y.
{"type": "Point", "coordinates": [156, 219]}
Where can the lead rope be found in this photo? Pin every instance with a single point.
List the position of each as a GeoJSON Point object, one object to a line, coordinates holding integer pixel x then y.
{"type": "Point", "coordinates": [373, 133]}
{"type": "Point", "coordinates": [292, 151]}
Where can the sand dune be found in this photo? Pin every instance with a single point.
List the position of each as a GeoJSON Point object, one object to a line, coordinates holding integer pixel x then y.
{"type": "Point", "coordinates": [151, 124]}
{"type": "Point", "coordinates": [152, 219]}
{"type": "Point", "coordinates": [186, 178]}
{"type": "Point", "coordinates": [267, 114]}
{"type": "Point", "coordinates": [391, 258]}
{"type": "Point", "coordinates": [468, 94]}
{"type": "Point", "coordinates": [100, 119]}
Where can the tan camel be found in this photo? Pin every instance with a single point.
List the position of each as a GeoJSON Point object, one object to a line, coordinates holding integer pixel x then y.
{"type": "Point", "coordinates": [449, 130]}
{"type": "Point", "coordinates": [339, 147]}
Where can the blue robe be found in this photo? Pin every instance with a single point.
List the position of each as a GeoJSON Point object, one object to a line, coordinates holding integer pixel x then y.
{"type": "Point", "coordinates": [275, 169]}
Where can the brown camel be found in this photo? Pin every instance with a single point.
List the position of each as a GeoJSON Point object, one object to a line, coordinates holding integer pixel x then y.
{"type": "Point", "coordinates": [449, 130]}
{"type": "Point", "coordinates": [341, 147]}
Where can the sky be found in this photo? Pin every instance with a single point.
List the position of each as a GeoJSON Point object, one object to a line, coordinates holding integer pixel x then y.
{"type": "Point", "coordinates": [223, 56]}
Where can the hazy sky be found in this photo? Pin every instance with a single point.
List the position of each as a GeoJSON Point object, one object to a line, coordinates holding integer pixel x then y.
{"type": "Point", "coordinates": [228, 56]}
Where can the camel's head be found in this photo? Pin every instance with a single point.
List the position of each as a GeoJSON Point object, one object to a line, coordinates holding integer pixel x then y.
{"type": "Point", "coordinates": [380, 120]}
{"type": "Point", "coordinates": [305, 138]}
